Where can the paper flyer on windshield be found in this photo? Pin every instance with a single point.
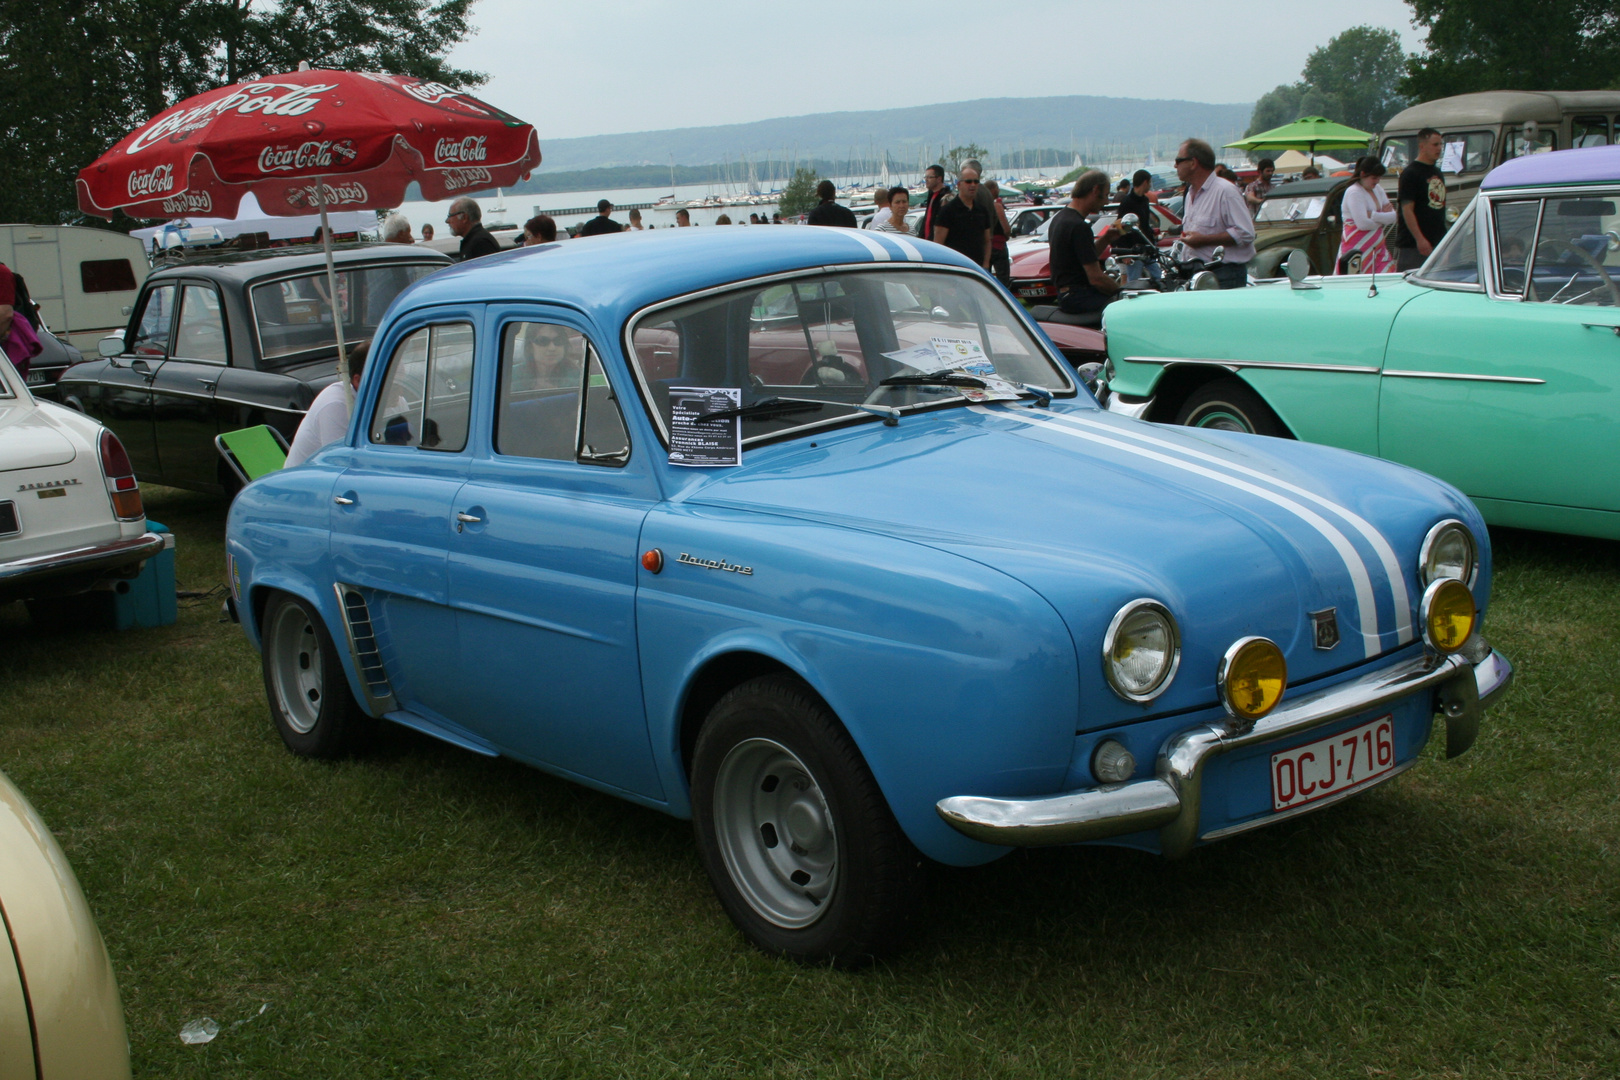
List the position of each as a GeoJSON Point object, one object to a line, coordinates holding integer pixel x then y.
{"type": "Point", "coordinates": [705, 442]}
{"type": "Point", "coordinates": [961, 354]}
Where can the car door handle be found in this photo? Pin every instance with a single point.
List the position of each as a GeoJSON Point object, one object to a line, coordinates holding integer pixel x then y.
{"type": "Point", "coordinates": [341, 501]}
{"type": "Point", "coordinates": [1611, 327]}
{"type": "Point", "coordinates": [469, 519]}
{"type": "Point", "coordinates": [209, 384]}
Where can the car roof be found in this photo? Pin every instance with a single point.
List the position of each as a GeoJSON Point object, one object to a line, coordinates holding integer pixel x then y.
{"type": "Point", "coordinates": [249, 265]}
{"type": "Point", "coordinates": [620, 273]}
{"type": "Point", "coordinates": [1591, 165]}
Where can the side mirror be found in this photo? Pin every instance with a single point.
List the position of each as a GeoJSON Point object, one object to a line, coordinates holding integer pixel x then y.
{"type": "Point", "coordinates": [126, 309]}
{"type": "Point", "coordinates": [111, 345]}
{"type": "Point", "coordinates": [1298, 266]}
{"type": "Point", "coordinates": [1219, 256]}
{"type": "Point", "coordinates": [939, 314]}
{"type": "Point", "coordinates": [1128, 222]}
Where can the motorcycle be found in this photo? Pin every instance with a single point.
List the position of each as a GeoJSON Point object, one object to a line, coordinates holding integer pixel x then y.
{"type": "Point", "coordinates": [1163, 270]}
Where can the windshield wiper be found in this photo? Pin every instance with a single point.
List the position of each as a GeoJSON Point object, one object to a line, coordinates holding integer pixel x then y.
{"type": "Point", "coordinates": [764, 409]}
{"type": "Point", "coordinates": [937, 378]}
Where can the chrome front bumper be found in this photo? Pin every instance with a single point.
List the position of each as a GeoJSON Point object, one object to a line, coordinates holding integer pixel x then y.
{"type": "Point", "coordinates": [1463, 689]}
{"type": "Point", "coordinates": [92, 558]}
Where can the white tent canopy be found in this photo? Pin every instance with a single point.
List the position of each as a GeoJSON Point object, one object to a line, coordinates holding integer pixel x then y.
{"type": "Point", "coordinates": [1293, 161]}
{"type": "Point", "coordinates": [251, 218]}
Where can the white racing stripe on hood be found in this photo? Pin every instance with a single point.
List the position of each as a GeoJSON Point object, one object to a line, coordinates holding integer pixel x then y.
{"type": "Point", "coordinates": [1374, 538]}
{"type": "Point", "coordinates": [1367, 611]}
{"type": "Point", "coordinates": [879, 252]}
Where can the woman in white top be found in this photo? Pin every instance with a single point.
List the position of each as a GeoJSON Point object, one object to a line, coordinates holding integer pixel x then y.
{"type": "Point", "coordinates": [1367, 212]}
{"type": "Point", "coordinates": [893, 217]}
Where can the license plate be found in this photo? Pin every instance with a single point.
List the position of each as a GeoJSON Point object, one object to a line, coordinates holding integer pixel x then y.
{"type": "Point", "coordinates": [36, 378]}
{"type": "Point", "coordinates": [1333, 765]}
{"type": "Point", "coordinates": [1031, 292]}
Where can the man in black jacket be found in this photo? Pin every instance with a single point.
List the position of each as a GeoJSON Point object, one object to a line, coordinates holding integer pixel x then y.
{"type": "Point", "coordinates": [830, 212]}
{"type": "Point", "coordinates": [466, 221]}
{"type": "Point", "coordinates": [602, 223]}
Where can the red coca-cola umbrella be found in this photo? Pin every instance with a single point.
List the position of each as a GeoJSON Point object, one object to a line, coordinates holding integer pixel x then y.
{"type": "Point", "coordinates": [309, 140]}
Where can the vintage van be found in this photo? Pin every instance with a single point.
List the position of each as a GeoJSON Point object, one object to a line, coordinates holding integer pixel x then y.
{"type": "Point", "coordinates": [84, 280]}
{"type": "Point", "coordinates": [1483, 130]}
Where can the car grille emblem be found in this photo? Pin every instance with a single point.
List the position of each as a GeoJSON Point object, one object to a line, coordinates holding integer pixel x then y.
{"type": "Point", "coordinates": [1326, 627]}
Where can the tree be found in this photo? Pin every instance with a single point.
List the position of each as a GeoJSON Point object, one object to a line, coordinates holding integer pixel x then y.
{"type": "Point", "coordinates": [78, 75]}
{"type": "Point", "coordinates": [1353, 79]}
{"type": "Point", "coordinates": [1473, 45]}
{"type": "Point", "coordinates": [799, 196]}
{"type": "Point", "coordinates": [956, 155]}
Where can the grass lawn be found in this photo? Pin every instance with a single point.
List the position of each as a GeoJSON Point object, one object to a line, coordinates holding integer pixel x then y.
{"type": "Point", "coordinates": [425, 912]}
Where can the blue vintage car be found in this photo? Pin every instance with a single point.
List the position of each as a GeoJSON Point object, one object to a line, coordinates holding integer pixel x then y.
{"type": "Point", "coordinates": [942, 604]}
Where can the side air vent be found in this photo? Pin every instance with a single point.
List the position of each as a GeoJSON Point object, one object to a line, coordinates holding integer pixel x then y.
{"type": "Point", "coordinates": [364, 650]}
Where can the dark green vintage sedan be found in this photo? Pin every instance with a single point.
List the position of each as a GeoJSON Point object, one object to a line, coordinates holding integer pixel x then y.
{"type": "Point", "coordinates": [229, 342]}
{"type": "Point", "coordinates": [1496, 366]}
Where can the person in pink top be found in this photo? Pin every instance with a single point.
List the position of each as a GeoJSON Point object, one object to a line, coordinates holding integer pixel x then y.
{"type": "Point", "coordinates": [1367, 212]}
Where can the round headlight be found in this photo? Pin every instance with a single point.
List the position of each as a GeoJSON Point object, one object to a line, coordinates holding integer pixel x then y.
{"type": "Point", "coordinates": [1448, 615]}
{"type": "Point", "coordinates": [1141, 650]}
{"type": "Point", "coordinates": [1449, 552]}
{"type": "Point", "coordinates": [1252, 677]}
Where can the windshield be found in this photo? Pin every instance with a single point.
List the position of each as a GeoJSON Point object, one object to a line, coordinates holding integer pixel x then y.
{"type": "Point", "coordinates": [293, 315]}
{"type": "Point", "coordinates": [1460, 152]}
{"type": "Point", "coordinates": [831, 339]}
{"type": "Point", "coordinates": [1284, 209]}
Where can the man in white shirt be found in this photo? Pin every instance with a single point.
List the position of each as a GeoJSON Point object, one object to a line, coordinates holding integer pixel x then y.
{"type": "Point", "coordinates": [1214, 214]}
{"type": "Point", "coordinates": [327, 420]}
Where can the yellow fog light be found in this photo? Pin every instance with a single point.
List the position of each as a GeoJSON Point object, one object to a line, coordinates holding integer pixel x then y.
{"type": "Point", "coordinates": [1448, 615]}
{"type": "Point", "coordinates": [1252, 678]}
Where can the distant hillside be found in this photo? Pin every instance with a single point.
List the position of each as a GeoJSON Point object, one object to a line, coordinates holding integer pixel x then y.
{"type": "Point", "coordinates": [1095, 126]}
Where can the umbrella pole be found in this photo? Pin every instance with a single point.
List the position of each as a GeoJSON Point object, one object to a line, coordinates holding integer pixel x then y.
{"type": "Point", "coordinates": [331, 285]}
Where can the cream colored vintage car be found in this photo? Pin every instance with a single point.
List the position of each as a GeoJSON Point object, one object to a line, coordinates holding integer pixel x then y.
{"type": "Point", "coordinates": [71, 517]}
{"type": "Point", "coordinates": [60, 1017]}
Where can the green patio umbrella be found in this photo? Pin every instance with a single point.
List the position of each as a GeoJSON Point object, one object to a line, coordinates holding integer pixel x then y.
{"type": "Point", "coordinates": [1309, 134]}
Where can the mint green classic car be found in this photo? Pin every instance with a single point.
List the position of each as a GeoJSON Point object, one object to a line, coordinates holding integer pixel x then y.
{"type": "Point", "coordinates": [1496, 366]}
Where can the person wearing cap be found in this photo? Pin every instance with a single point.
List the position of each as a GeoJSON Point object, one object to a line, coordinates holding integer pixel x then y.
{"type": "Point", "coordinates": [602, 222]}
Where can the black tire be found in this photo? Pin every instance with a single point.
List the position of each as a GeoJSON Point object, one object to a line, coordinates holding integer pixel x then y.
{"type": "Point", "coordinates": [1230, 405]}
{"type": "Point", "coordinates": [304, 681]}
{"type": "Point", "coordinates": [798, 840]}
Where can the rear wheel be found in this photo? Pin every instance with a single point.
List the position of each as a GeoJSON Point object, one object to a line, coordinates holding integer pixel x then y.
{"type": "Point", "coordinates": [796, 836]}
{"type": "Point", "coordinates": [1230, 405]}
{"type": "Point", "coordinates": [310, 700]}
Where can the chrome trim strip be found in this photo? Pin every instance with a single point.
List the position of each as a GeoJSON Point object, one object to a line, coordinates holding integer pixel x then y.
{"type": "Point", "coordinates": [89, 557]}
{"type": "Point", "coordinates": [1459, 377]}
{"type": "Point", "coordinates": [1235, 365]}
{"type": "Point", "coordinates": [1172, 800]}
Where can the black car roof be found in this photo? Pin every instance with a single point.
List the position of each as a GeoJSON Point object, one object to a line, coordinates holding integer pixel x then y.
{"type": "Point", "coordinates": [243, 266]}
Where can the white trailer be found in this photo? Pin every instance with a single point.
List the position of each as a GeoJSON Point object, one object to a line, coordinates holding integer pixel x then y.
{"type": "Point", "coordinates": [84, 280]}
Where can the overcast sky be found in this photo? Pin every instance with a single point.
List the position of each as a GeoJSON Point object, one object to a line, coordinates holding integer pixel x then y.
{"type": "Point", "coordinates": [641, 65]}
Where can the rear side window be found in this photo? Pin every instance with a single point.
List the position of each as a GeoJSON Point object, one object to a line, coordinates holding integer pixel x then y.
{"type": "Point", "coordinates": [106, 275]}
{"type": "Point", "coordinates": [426, 398]}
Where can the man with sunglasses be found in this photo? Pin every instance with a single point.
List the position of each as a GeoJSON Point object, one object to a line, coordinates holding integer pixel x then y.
{"type": "Point", "coordinates": [466, 221]}
{"type": "Point", "coordinates": [963, 223]}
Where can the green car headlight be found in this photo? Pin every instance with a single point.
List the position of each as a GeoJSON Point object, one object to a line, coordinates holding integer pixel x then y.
{"type": "Point", "coordinates": [1449, 551]}
{"type": "Point", "coordinates": [1141, 650]}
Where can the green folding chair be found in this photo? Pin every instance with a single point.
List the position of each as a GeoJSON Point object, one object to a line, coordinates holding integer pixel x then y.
{"type": "Point", "coordinates": [252, 452]}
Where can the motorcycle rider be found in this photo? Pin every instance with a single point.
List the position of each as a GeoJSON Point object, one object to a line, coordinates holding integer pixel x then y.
{"type": "Point", "coordinates": [1077, 273]}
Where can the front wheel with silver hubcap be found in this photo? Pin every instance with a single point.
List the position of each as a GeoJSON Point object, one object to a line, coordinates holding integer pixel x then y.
{"type": "Point", "coordinates": [304, 680]}
{"type": "Point", "coordinates": [798, 840]}
{"type": "Point", "coordinates": [1230, 404]}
